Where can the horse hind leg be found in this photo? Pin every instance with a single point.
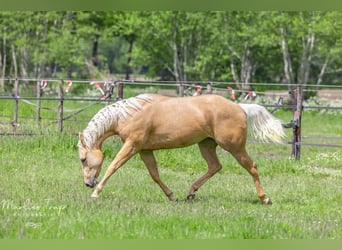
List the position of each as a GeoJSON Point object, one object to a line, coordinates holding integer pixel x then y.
{"type": "Point", "coordinates": [150, 162]}
{"type": "Point", "coordinates": [245, 161]}
{"type": "Point", "coordinates": [208, 152]}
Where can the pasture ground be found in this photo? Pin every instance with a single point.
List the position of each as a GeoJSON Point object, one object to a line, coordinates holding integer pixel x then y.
{"type": "Point", "coordinates": [43, 195]}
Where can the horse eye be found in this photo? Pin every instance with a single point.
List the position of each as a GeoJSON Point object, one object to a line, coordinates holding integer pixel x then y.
{"type": "Point", "coordinates": [84, 160]}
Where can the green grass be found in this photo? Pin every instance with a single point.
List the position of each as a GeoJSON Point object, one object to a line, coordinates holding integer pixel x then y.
{"type": "Point", "coordinates": [43, 195]}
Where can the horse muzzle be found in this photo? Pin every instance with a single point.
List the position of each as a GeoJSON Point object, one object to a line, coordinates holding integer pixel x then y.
{"type": "Point", "coordinates": [91, 183]}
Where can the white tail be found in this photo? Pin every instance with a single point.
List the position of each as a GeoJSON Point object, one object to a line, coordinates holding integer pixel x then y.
{"type": "Point", "coordinates": [262, 124]}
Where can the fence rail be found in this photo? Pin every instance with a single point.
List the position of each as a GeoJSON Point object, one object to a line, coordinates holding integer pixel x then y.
{"type": "Point", "coordinates": [37, 91]}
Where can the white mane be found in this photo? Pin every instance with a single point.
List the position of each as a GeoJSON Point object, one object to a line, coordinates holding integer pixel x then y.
{"type": "Point", "coordinates": [109, 115]}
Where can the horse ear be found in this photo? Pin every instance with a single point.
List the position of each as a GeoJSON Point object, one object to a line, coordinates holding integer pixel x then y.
{"type": "Point", "coordinates": [81, 137]}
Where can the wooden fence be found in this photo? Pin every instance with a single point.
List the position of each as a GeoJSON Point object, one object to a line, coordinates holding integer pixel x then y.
{"type": "Point", "coordinates": [111, 91]}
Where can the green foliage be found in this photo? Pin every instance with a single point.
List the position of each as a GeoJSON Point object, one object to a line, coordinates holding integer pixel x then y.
{"type": "Point", "coordinates": [236, 46]}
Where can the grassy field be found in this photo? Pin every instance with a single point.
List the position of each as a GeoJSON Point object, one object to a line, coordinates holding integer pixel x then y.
{"type": "Point", "coordinates": [43, 195]}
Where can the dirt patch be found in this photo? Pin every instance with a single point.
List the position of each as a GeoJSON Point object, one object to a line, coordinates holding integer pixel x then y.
{"type": "Point", "coordinates": [333, 94]}
{"type": "Point", "coordinates": [168, 92]}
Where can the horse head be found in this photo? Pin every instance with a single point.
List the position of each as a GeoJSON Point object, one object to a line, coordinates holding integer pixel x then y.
{"type": "Point", "coordinates": [91, 161]}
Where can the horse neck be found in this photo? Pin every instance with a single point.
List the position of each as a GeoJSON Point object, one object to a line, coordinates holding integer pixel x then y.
{"type": "Point", "coordinates": [103, 125]}
{"type": "Point", "coordinates": [107, 121]}
{"type": "Point", "coordinates": [95, 140]}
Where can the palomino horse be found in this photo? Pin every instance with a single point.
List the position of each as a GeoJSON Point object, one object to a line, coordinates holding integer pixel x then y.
{"type": "Point", "coordinates": [150, 122]}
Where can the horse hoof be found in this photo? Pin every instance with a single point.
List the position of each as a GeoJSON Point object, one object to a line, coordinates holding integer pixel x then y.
{"type": "Point", "coordinates": [190, 197]}
{"type": "Point", "coordinates": [267, 201]}
{"type": "Point", "coordinates": [172, 198]}
{"type": "Point", "coordinates": [175, 200]}
{"type": "Point", "coordinates": [94, 195]}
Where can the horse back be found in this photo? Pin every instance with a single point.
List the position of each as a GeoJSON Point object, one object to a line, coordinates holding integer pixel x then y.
{"type": "Point", "coordinates": [200, 109]}
{"type": "Point", "coordinates": [182, 121]}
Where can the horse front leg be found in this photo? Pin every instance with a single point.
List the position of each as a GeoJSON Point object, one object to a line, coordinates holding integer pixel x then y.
{"type": "Point", "coordinates": [150, 162]}
{"type": "Point", "coordinates": [125, 153]}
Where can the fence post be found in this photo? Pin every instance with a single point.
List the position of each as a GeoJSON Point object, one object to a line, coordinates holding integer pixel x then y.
{"type": "Point", "coordinates": [16, 105]}
{"type": "Point", "coordinates": [60, 106]}
{"type": "Point", "coordinates": [38, 118]}
{"type": "Point", "coordinates": [297, 118]}
{"type": "Point", "coordinates": [181, 89]}
{"type": "Point", "coordinates": [120, 90]}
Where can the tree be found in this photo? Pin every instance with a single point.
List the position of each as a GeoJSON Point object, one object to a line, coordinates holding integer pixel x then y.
{"type": "Point", "coordinates": [126, 25]}
{"type": "Point", "coordinates": [239, 46]}
{"type": "Point", "coordinates": [91, 26]}
{"type": "Point", "coordinates": [309, 44]}
{"type": "Point", "coordinates": [171, 43]}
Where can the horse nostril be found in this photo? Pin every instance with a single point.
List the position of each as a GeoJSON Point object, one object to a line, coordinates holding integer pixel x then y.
{"type": "Point", "coordinates": [89, 185]}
